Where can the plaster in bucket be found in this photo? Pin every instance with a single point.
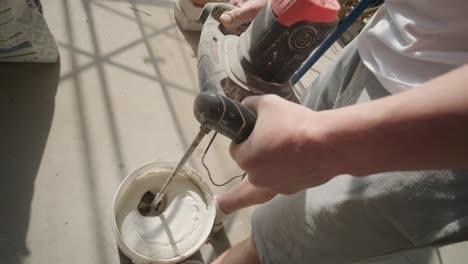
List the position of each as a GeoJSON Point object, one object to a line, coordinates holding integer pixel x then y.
{"type": "Point", "coordinates": [181, 228]}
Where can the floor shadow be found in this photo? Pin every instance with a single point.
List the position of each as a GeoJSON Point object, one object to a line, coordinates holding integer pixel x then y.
{"type": "Point", "coordinates": [220, 243]}
{"type": "Point", "coordinates": [171, 104]}
{"type": "Point", "coordinates": [191, 37]}
{"type": "Point", "coordinates": [126, 260]}
{"type": "Point", "coordinates": [27, 99]}
{"type": "Point", "coordinates": [197, 256]}
{"type": "Point", "coordinates": [160, 3]}
{"type": "Point", "coordinates": [105, 88]}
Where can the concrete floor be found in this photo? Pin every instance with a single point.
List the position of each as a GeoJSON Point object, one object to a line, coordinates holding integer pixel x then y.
{"type": "Point", "coordinates": [121, 97]}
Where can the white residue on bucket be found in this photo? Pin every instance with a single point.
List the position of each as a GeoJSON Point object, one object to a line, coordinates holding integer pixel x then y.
{"type": "Point", "coordinates": [178, 229]}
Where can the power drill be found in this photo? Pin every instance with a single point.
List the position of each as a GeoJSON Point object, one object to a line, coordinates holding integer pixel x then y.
{"type": "Point", "coordinates": [251, 60]}
{"type": "Point", "coordinates": [260, 58]}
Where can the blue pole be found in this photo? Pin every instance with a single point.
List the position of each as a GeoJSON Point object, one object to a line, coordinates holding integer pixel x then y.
{"type": "Point", "coordinates": [339, 30]}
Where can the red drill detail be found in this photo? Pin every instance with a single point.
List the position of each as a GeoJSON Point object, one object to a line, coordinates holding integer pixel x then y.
{"type": "Point", "coordinates": [289, 12]}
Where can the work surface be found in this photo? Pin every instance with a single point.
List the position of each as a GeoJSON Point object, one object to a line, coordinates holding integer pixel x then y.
{"type": "Point", "coordinates": [121, 97]}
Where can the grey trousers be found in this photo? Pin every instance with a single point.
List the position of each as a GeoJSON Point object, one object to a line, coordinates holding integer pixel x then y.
{"type": "Point", "coordinates": [351, 219]}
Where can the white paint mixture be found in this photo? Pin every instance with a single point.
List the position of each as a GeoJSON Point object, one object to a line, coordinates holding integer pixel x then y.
{"type": "Point", "coordinates": [178, 229]}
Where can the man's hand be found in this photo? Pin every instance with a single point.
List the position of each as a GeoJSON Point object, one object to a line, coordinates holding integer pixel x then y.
{"type": "Point", "coordinates": [246, 12]}
{"type": "Point", "coordinates": [286, 150]}
{"type": "Point", "coordinates": [293, 148]}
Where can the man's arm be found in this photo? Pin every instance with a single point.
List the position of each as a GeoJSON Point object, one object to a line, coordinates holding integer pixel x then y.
{"type": "Point", "coordinates": [423, 128]}
{"type": "Point", "coordinates": [293, 148]}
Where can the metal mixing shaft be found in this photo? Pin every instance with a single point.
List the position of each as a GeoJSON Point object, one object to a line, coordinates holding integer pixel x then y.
{"type": "Point", "coordinates": [221, 114]}
{"type": "Point", "coordinates": [203, 131]}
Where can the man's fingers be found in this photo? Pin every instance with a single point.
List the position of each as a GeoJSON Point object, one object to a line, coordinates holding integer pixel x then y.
{"type": "Point", "coordinates": [242, 153]}
{"type": "Point", "coordinates": [238, 16]}
{"type": "Point", "coordinates": [252, 102]}
{"type": "Point", "coordinates": [237, 150]}
{"type": "Point", "coordinates": [238, 153]}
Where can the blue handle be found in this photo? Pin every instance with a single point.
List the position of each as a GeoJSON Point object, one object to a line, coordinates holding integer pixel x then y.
{"type": "Point", "coordinates": [339, 30]}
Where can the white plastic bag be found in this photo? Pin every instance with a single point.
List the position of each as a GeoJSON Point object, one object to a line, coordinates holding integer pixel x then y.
{"type": "Point", "coordinates": [24, 35]}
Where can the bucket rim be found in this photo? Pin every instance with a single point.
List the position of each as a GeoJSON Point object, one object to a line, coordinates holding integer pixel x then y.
{"type": "Point", "coordinates": [201, 184]}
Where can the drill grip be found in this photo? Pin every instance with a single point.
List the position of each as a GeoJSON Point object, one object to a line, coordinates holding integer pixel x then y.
{"type": "Point", "coordinates": [224, 115]}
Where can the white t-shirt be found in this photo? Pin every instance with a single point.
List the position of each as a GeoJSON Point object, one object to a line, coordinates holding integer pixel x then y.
{"type": "Point", "coordinates": [409, 42]}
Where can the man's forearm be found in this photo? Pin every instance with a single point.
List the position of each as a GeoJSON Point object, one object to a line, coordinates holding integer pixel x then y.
{"type": "Point", "coordinates": [423, 128]}
{"type": "Point", "coordinates": [292, 148]}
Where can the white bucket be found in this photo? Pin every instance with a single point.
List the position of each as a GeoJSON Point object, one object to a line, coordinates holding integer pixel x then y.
{"type": "Point", "coordinates": [179, 231]}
